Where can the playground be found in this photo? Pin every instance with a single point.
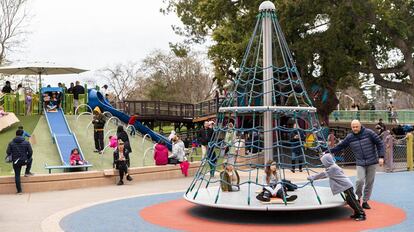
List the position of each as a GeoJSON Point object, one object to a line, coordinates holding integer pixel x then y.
{"type": "Point", "coordinates": [258, 159]}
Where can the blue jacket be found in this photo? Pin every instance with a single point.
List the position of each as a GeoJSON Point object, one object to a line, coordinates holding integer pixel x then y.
{"type": "Point", "coordinates": [365, 145]}
{"type": "Point", "coordinates": [20, 149]}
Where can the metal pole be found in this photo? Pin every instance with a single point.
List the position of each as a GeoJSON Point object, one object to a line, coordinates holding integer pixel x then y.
{"type": "Point", "coordinates": [267, 8]}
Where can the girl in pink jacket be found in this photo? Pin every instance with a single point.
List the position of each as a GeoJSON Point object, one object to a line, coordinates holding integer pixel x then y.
{"type": "Point", "coordinates": [161, 153]}
{"type": "Point", "coordinates": [75, 158]}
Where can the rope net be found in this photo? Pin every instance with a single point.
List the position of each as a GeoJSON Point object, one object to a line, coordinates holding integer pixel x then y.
{"type": "Point", "coordinates": [238, 139]}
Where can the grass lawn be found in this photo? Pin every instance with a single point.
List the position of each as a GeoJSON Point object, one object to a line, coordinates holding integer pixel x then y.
{"type": "Point", "coordinates": [45, 151]}
{"type": "Point", "coordinates": [29, 123]}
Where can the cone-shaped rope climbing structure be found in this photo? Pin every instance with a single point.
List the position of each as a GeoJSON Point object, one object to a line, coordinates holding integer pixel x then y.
{"type": "Point", "coordinates": [266, 126]}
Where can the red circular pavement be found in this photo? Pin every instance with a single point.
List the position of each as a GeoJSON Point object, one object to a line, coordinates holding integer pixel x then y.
{"type": "Point", "coordinates": [177, 214]}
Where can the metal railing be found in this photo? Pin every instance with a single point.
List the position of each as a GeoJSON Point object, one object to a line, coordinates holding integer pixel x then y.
{"type": "Point", "coordinates": [172, 109]}
{"type": "Point", "coordinates": [398, 116]}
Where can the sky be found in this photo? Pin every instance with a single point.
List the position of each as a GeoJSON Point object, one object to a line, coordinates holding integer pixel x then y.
{"type": "Point", "coordinates": [93, 34]}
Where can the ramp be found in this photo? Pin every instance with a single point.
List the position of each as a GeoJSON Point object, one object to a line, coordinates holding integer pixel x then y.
{"type": "Point", "coordinates": [64, 139]}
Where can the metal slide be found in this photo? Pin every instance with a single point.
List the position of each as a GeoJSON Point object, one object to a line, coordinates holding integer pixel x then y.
{"type": "Point", "coordinates": [95, 98]}
{"type": "Point", "coordinates": [64, 139]}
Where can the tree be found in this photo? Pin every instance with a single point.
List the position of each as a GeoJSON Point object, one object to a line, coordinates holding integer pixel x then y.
{"type": "Point", "coordinates": [176, 78]}
{"type": "Point", "coordinates": [333, 42]}
{"type": "Point", "coordinates": [121, 78]}
{"type": "Point", "coordinates": [13, 19]}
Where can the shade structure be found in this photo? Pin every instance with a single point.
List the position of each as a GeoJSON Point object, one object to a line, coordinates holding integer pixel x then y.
{"type": "Point", "coordinates": [40, 70]}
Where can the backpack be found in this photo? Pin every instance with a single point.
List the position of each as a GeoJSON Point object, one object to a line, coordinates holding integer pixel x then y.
{"type": "Point", "coordinates": [288, 185]}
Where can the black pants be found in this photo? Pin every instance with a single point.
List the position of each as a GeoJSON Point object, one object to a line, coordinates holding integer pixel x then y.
{"type": "Point", "coordinates": [352, 201]}
{"type": "Point", "coordinates": [173, 161]}
{"type": "Point", "coordinates": [123, 169]}
{"type": "Point", "coordinates": [99, 140]}
{"type": "Point", "coordinates": [17, 167]}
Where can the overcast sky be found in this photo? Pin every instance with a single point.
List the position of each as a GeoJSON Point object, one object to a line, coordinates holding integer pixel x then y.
{"type": "Point", "coordinates": [92, 34]}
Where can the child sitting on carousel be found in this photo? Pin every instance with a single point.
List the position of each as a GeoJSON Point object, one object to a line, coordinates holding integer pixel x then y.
{"type": "Point", "coordinates": [271, 187]}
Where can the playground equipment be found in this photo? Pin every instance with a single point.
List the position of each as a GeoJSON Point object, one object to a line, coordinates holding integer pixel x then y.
{"type": "Point", "coordinates": [62, 136]}
{"type": "Point", "coordinates": [272, 114]}
{"type": "Point", "coordinates": [96, 99]}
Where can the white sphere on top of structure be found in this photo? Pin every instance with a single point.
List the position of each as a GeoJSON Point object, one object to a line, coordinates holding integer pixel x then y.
{"type": "Point", "coordinates": [267, 6]}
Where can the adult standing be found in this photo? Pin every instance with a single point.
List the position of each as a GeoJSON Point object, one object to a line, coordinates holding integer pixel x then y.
{"type": "Point", "coordinates": [7, 88]}
{"type": "Point", "coordinates": [21, 152]}
{"type": "Point", "coordinates": [98, 129]}
{"type": "Point", "coordinates": [122, 135]}
{"type": "Point", "coordinates": [368, 149]}
{"type": "Point", "coordinates": [70, 90]}
{"type": "Point", "coordinates": [390, 109]}
{"type": "Point", "coordinates": [76, 90]}
{"type": "Point", "coordinates": [204, 136]}
{"type": "Point", "coordinates": [104, 91]}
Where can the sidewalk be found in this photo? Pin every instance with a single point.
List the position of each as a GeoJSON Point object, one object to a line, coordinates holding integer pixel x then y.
{"type": "Point", "coordinates": [26, 212]}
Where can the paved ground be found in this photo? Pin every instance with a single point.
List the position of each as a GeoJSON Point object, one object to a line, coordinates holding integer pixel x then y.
{"type": "Point", "coordinates": [27, 212]}
{"type": "Point", "coordinates": [122, 215]}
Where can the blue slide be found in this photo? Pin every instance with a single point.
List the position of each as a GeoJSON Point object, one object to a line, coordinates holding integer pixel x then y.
{"type": "Point", "coordinates": [95, 98]}
{"type": "Point", "coordinates": [64, 139]}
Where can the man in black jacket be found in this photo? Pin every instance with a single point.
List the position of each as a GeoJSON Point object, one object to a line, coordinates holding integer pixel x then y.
{"type": "Point", "coordinates": [21, 152]}
{"type": "Point", "coordinates": [76, 90]}
{"type": "Point", "coordinates": [7, 88]}
{"type": "Point", "coordinates": [204, 136]}
{"type": "Point", "coordinates": [98, 129]}
{"type": "Point", "coordinates": [369, 150]}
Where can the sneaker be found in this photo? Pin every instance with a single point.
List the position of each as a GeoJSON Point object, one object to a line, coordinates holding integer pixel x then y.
{"type": "Point", "coordinates": [120, 182]}
{"type": "Point", "coordinates": [365, 205]}
{"type": "Point", "coordinates": [291, 198]}
{"type": "Point", "coordinates": [292, 170]}
{"type": "Point", "coordinates": [263, 198]}
{"type": "Point", "coordinates": [360, 217]}
{"type": "Point", "coordinates": [19, 193]}
{"type": "Point", "coordinates": [28, 174]}
{"type": "Point", "coordinates": [129, 178]}
{"type": "Point", "coordinates": [96, 151]}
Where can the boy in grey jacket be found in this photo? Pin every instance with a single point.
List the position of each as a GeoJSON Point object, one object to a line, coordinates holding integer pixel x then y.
{"type": "Point", "coordinates": [339, 182]}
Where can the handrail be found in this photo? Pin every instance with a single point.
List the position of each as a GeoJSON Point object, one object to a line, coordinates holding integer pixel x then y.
{"type": "Point", "coordinates": [77, 108]}
{"type": "Point", "coordinates": [111, 118]}
{"type": "Point", "coordinates": [107, 133]}
{"type": "Point", "coordinates": [143, 138]}
{"type": "Point", "coordinates": [133, 128]}
{"type": "Point", "coordinates": [145, 155]}
{"type": "Point", "coordinates": [77, 117]}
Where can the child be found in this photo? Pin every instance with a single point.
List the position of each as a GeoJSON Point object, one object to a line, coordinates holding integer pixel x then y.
{"type": "Point", "coordinates": [113, 141]}
{"type": "Point", "coordinates": [25, 134]}
{"type": "Point", "coordinates": [75, 158]}
{"type": "Point", "coordinates": [230, 179]}
{"type": "Point", "coordinates": [121, 162]}
{"type": "Point", "coordinates": [2, 112]}
{"type": "Point", "coordinates": [131, 122]}
{"type": "Point", "coordinates": [161, 153]}
{"type": "Point", "coordinates": [271, 187]}
{"type": "Point", "coordinates": [340, 183]}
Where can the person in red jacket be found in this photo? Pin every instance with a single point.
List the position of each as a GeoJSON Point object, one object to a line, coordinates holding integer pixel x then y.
{"type": "Point", "coordinates": [131, 122]}
{"type": "Point", "coordinates": [75, 158]}
{"type": "Point", "coordinates": [161, 153]}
